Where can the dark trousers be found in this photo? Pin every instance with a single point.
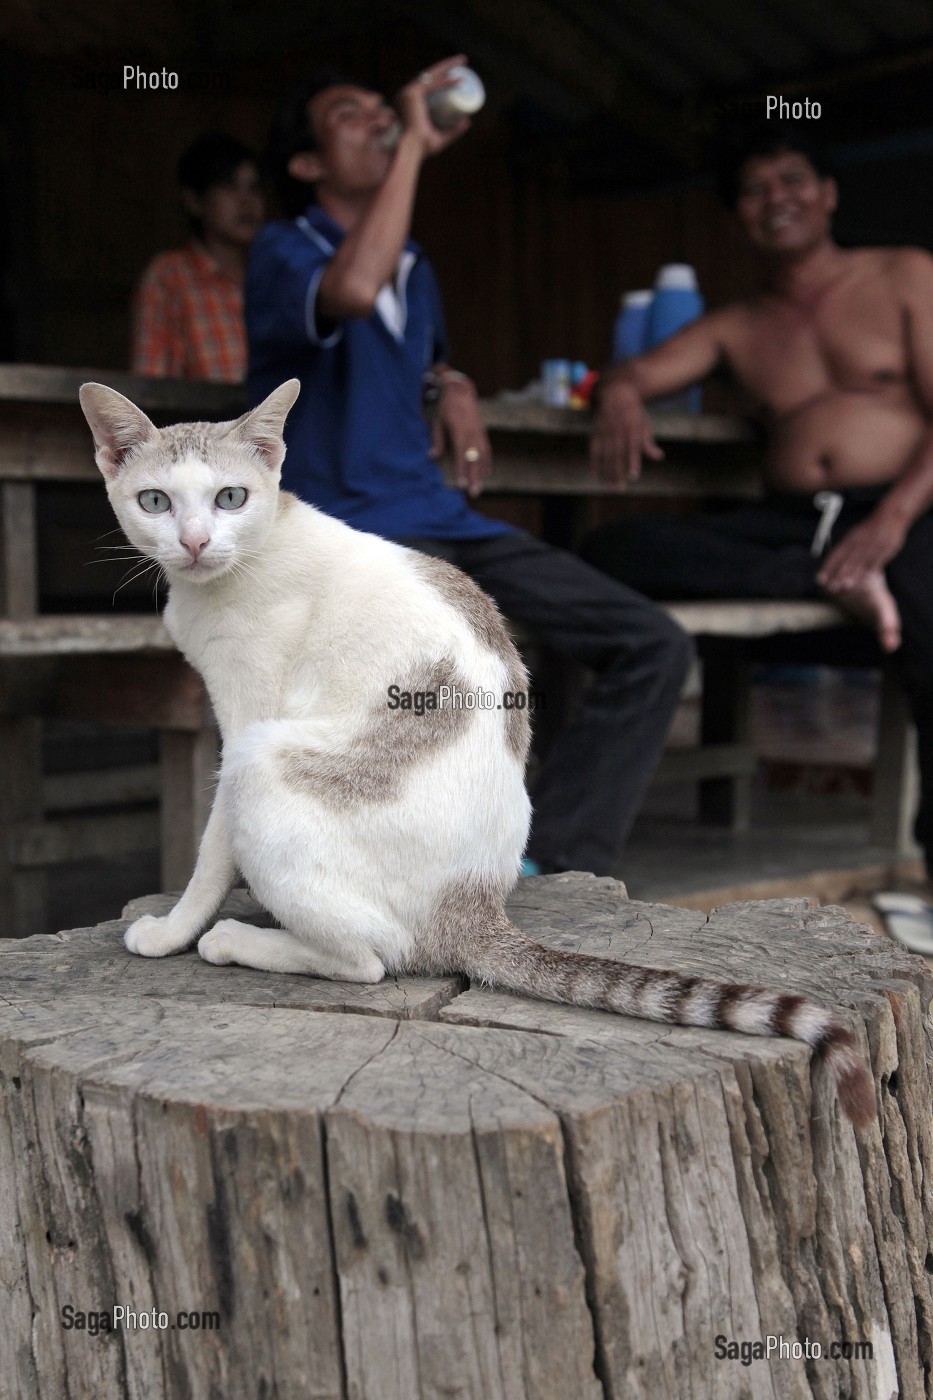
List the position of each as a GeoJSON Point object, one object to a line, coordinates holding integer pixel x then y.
{"type": "Point", "coordinates": [763, 551]}
{"type": "Point", "coordinates": [595, 774]}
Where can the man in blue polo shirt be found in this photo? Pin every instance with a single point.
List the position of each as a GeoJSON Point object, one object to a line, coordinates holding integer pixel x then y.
{"type": "Point", "coordinates": [342, 299]}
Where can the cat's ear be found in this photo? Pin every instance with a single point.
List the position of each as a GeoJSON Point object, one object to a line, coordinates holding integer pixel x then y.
{"type": "Point", "coordinates": [117, 425]}
{"type": "Point", "coordinates": [263, 426]}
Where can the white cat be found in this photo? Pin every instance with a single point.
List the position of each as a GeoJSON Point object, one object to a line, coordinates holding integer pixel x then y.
{"type": "Point", "coordinates": [382, 837]}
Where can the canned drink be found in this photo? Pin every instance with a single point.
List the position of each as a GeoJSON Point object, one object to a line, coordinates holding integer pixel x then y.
{"type": "Point", "coordinates": [556, 377]}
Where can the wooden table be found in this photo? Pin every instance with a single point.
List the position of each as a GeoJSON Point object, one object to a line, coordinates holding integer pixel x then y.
{"type": "Point", "coordinates": [410, 1190]}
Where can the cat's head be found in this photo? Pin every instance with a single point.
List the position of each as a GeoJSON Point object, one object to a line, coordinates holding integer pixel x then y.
{"type": "Point", "coordinates": [196, 497]}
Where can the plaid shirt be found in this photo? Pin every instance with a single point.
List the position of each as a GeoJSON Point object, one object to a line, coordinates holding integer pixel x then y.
{"type": "Point", "coordinates": [188, 320]}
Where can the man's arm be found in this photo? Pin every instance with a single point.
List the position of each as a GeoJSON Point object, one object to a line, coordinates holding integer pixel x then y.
{"type": "Point", "coordinates": [368, 256]}
{"type": "Point", "coordinates": [874, 543]}
{"type": "Point", "coordinates": [457, 421]}
{"type": "Point", "coordinates": [622, 432]}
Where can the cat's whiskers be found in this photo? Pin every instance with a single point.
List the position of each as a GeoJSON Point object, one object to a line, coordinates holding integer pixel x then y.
{"type": "Point", "coordinates": [242, 566]}
{"type": "Point", "coordinates": [116, 549]}
{"type": "Point", "coordinates": [160, 577]}
{"type": "Point", "coordinates": [148, 565]}
{"type": "Point", "coordinates": [107, 533]}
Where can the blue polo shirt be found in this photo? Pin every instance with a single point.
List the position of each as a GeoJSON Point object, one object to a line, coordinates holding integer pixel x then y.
{"type": "Point", "coordinates": [358, 445]}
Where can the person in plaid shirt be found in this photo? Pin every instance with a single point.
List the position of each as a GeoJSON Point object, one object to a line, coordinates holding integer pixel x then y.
{"type": "Point", "coordinates": [188, 309]}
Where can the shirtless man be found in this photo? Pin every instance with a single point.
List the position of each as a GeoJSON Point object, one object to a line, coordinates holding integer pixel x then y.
{"type": "Point", "coordinates": [836, 347]}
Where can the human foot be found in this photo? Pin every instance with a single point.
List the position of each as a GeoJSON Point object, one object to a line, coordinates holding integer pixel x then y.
{"type": "Point", "coordinates": [908, 918]}
{"type": "Point", "coordinates": [873, 602]}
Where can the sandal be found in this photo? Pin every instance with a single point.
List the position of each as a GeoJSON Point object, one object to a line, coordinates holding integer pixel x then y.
{"type": "Point", "coordinates": [908, 919]}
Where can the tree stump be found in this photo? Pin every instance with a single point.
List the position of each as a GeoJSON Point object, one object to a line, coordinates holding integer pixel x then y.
{"type": "Point", "coordinates": [416, 1190]}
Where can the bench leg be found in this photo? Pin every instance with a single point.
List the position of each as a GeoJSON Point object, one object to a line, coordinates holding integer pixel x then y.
{"type": "Point", "coordinates": [188, 763]}
{"type": "Point", "coordinates": [896, 778]}
{"type": "Point", "coordinates": [725, 720]}
{"type": "Point", "coordinates": [23, 892]}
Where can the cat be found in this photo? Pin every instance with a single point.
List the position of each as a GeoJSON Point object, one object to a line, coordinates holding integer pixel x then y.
{"type": "Point", "coordinates": [381, 836]}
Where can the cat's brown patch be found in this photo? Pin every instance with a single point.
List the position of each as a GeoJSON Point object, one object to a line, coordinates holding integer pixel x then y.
{"type": "Point", "coordinates": [188, 440]}
{"type": "Point", "coordinates": [395, 740]}
{"type": "Point", "coordinates": [487, 625]}
{"type": "Point", "coordinates": [471, 602]}
{"type": "Point", "coordinates": [469, 912]}
{"type": "Point", "coordinates": [517, 723]}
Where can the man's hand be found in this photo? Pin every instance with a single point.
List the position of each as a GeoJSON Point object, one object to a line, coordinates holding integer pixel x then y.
{"type": "Point", "coordinates": [622, 433]}
{"type": "Point", "coordinates": [413, 109]}
{"type": "Point", "coordinates": [865, 550]}
{"type": "Point", "coordinates": [457, 422]}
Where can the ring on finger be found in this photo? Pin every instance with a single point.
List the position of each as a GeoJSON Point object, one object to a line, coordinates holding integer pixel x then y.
{"type": "Point", "coordinates": [471, 454]}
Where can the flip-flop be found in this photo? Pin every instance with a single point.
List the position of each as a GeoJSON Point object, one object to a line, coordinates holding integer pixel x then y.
{"type": "Point", "coordinates": [908, 919]}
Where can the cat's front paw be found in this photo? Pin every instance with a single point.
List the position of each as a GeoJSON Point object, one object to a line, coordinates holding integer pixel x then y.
{"type": "Point", "coordinates": [153, 937]}
{"type": "Point", "coordinates": [215, 946]}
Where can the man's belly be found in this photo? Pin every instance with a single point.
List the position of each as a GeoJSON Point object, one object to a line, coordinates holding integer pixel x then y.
{"type": "Point", "coordinates": [842, 440]}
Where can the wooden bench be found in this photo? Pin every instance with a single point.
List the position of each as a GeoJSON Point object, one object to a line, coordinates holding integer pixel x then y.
{"type": "Point", "coordinates": [412, 1190]}
{"type": "Point", "coordinates": [119, 670]}
{"type": "Point", "coordinates": [724, 763]}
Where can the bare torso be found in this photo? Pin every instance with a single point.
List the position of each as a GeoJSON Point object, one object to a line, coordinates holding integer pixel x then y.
{"type": "Point", "coordinates": [832, 376]}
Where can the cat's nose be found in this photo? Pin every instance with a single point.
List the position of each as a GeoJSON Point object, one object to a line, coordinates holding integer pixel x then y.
{"type": "Point", "coordinates": [195, 544]}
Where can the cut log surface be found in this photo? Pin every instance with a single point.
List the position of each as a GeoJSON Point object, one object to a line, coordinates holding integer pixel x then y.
{"type": "Point", "coordinates": [462, 1192]}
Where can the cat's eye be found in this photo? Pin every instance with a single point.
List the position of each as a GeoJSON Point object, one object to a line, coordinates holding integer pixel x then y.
{"type": "Point", "coordinates": [230, 498]}
{"type": "Point", "coordinates": [154, 502]}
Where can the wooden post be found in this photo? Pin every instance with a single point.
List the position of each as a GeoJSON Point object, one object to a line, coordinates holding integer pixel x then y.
{"type": "Point", "coordinates": [404, 1191]}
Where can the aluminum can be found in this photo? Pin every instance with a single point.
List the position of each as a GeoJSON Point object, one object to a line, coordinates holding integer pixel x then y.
{"type": "Point", "coordinates": [556, 376]}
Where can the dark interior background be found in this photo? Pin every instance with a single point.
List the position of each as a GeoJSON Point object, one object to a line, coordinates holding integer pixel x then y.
{"type": "Point", "coordinates": [588, 168]}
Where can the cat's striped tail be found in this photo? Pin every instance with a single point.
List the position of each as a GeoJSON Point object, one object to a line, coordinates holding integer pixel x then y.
{"type": "Point", "coordinates": [505, 958]}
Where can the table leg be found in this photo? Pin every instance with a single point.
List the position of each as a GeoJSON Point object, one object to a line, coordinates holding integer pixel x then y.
{"type": "Point", "coordinates": [896, 782]}
{"type": "Point", "coordinates": [725, 720]}
{"type": "Point", "coordinates": [19, 571]}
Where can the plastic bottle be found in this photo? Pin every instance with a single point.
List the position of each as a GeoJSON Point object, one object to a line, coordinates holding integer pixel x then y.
{"type": "Point", "coordinates": [677, 302]}
{"type": "Point", "coordinates": [449, 104]}
{"type": "Point", "coordinates": [631, 325]}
